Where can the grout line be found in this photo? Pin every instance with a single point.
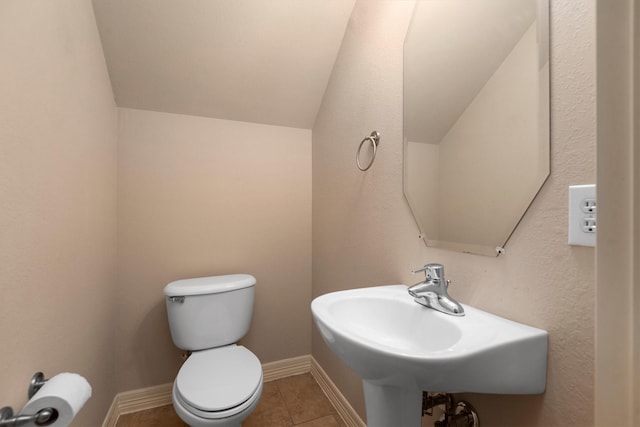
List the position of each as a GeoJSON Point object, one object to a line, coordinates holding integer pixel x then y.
{"type": "Point", "coordinates": [284, 402]}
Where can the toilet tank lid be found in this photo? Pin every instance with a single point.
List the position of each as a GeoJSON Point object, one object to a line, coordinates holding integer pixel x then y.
{"type": "Point", "coordinates": [209, 285]}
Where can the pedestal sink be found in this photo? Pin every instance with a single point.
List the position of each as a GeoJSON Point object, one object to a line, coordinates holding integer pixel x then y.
{"type": "Point", "coordinates": [401, 348]}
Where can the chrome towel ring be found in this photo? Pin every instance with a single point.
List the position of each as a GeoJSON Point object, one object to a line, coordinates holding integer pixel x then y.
{"type": "Point", "coordinates": [374, 138]}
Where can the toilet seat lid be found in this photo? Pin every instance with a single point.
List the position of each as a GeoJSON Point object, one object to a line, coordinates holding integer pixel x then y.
{"type": "Point", "coordinates": [219, 379]}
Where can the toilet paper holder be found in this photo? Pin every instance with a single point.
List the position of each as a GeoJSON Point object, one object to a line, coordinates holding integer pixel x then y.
{"type": "Point", "coordinates": [36, 383]}
{"type": "Point", "coordinates": [43, 417]}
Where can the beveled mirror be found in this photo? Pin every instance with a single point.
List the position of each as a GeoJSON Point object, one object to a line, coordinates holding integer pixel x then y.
{"type": "Point", "coordinates": [476, 118]}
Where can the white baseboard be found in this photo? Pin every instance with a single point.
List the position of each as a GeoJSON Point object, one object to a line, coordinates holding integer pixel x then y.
{"type": "Point", "coordinates": [286, 368]}
{"type": "Point", "coordinates": [137, 400]}
{"type": "Point", "coordinates": [160, 395]}
{"type": "Point", "coordinates": [346, 412]}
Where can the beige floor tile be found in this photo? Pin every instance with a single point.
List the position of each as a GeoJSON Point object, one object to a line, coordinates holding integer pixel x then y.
{"type": "Point", "coordinates": [164, 416]}
{"type": "Point", "coordinates": [271, 411]}
{"type": "Point", "coordinates": [328, 421]}
{"type": "Point", "coordinates": [304, 398]}
{"type": "Point", "coordinates": [286, 402]}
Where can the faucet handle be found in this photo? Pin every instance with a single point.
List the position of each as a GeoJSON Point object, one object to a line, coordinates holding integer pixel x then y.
{"type": "Point", "coordinates": [431, 271]}
{"type": "Point", "coordinates": [418, 270]}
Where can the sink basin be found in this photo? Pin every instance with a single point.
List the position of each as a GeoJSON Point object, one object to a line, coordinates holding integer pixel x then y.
{"type": "Point", "coordinates": [401, 348]}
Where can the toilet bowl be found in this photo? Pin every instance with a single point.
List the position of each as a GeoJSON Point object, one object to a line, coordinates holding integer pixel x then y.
{"type": "Point", "coordinates": [220, 384]}
{"type": "Point", "coordinates": [218, 387]}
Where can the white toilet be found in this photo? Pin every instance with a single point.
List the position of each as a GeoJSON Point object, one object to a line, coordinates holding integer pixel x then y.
{"type": "Point", "coordinates": [220, 383]}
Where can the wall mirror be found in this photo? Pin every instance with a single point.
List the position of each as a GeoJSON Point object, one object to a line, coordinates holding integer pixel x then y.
{"type": "Point", "coordinates": [476, 118]}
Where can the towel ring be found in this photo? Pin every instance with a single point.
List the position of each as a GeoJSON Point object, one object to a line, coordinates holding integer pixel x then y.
{"type": "Point", "coordinates": [374, 138]}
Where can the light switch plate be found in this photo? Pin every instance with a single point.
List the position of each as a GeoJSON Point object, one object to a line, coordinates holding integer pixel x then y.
{"type": "Point", "coordinates": [582, 215]}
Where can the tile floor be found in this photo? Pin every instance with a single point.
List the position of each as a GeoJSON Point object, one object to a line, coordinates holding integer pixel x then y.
{"type": "Point", "coordinates": [293, 401]}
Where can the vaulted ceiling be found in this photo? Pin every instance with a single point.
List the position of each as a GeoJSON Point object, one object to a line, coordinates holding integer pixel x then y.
{"type": "Point", "coordinates": [262, 61]}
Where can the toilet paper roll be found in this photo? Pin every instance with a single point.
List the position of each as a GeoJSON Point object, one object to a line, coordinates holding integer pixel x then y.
{"type": "Point", "coordinates": [65, 392]}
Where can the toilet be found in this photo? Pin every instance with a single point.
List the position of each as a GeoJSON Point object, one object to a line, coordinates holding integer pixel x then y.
{"type": "Point", "coordinates": [221, 382]}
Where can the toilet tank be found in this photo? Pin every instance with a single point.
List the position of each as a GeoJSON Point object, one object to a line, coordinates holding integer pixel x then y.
{"type": "Point", "coordinates": [209, 312]}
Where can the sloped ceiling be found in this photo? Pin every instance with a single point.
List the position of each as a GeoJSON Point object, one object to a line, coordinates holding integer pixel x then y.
{"type": "Point", "coordinates": [262, 61]}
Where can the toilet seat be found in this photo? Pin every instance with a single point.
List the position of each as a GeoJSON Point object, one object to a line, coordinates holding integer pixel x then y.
{"type": "Point", "coordinates": [219, 382]}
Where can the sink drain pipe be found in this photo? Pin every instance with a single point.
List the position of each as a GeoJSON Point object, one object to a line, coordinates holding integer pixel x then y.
{"type": "Point", "coordinates": [455, 414]}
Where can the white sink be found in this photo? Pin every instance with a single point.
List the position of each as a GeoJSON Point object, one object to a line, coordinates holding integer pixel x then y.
{"type": "Point", "coordinates": [401, 348]}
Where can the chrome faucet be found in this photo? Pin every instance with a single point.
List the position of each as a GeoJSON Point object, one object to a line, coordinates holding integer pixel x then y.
{"type": "Point", "coordinates": [433, 293]}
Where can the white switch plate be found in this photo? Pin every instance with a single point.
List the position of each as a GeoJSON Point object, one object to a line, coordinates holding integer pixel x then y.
{"type": "Point", "coordinates": [582, 215]}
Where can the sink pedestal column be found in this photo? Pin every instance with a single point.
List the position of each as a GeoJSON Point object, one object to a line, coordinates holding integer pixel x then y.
{"type": "Point", "coordinates": [392, 406]}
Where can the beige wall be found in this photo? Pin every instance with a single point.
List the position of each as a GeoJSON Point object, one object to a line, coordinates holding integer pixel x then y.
{"type": "Point", "coordinates": [58, 191]}
{"type": "Point", "coordinates": [198, 197]}
{"type": "Point", "coordinates": [363, 233]}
